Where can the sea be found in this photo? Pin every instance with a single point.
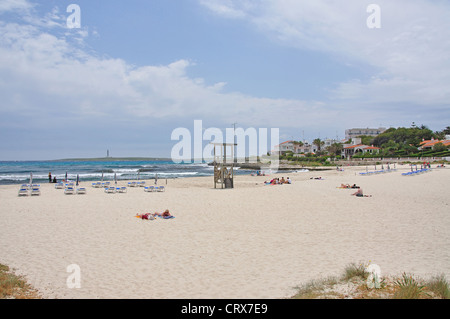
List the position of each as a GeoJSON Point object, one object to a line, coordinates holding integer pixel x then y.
{"type": "Point", "coordinates": [20, 172]}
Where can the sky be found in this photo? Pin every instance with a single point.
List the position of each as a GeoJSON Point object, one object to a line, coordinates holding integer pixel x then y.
{"type": "Point", "coordinates": [133, 72]}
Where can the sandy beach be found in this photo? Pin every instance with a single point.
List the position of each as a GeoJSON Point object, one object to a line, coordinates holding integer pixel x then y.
{"type": "Point", "coordinates": [253, 241]}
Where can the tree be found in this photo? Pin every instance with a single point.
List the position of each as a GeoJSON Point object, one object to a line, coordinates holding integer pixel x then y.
{"type": "Point", "coordinates": [440, 135]}
{"type": "Point", "coordinates": [447, 130]}
{"type": "Point", "coordinates": [404, 136]}
{"type": "Point", "coordinates": [319, 143]}
{"type": "Point", "coordinates": [439, 147]}
{"type": "Point", "coordinates": [335, 149]}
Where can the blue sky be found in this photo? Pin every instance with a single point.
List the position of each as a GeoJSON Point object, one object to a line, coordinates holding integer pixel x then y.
{"type": "Point", "coordinates": [137, 70]}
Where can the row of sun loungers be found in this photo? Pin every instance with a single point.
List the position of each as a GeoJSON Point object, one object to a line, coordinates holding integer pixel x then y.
{"type": "Point", "coordinates": [378, 172]}
{"type": "Point", "coordinates": [69, 188]}
{"type": "Point", "coordinates": [113, 190]}
{"type": "Point", "coordinates": [154, 189]}
{"type": "Point", "coordinates": [32, 190]}
{"type": "Point", "coordinates": [420, 171]}
{"type": "Point", "coordinates": [136, 184]}
{"type": "Point", "coordinates": [101, 184]}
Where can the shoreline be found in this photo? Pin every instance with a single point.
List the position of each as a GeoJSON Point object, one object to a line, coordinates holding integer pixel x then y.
{"type": "Point", "coordinates": [252, 241]}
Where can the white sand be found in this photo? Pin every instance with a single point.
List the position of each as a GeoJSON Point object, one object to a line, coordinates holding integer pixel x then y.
{"type": "Point", "coordinates": [253, 241]}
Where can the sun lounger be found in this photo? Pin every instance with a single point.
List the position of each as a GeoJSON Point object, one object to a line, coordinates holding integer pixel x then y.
{"type": "Point", "coordinates": [106, 184]}
{"type": "Point", "coordinates": [161, 189]}
{"type": "Point", "coordinates": [141, 184]}
{"type": "Point", "coordinates": [97, 184]}
{"type": "Point", "coordinates": [59, 185]}
{"type": "Point", "coordinates": [35, 190]}
{"type": "Point", "coordinates": [110, 190]}
{"type": "Point", "coordinates": [122, 189]}
{"type": "Point", "coordinates": [149, 189]}
{"type": "Point", "coordinates": [132, 184]}
{"type": "Point", "coordinates": [81, 190]}
{"type": "Point", "coordinates": [24, 191]}
{"type": "Point", "coordinates": [69, 190]}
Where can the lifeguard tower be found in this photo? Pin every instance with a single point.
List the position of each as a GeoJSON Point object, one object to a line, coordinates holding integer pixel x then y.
{"type": "Point", "coordinates": [223, 165]}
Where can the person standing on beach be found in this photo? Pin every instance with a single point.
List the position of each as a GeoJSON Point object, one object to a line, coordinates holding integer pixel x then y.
{"type": "Point", "coordinates": [49, 177]}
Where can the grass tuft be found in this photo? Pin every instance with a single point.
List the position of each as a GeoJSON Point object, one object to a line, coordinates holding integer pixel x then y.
{"type": "Point", "coordinates": [14, 287]}
{"type": "Point", "coordinates": [439, 286]}
{"type": "Point", "coordinates": [408, 287]}
{"type": "Point", "coordinates": [354, 270]}
{"type": "Point", "coordinates": [353, 285]}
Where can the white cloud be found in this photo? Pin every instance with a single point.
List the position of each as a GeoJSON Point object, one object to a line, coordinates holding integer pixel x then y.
{"type": "Point", "coordinates": [14, 5]}
{"type": "Point", "coordinates": [409, 52]}
{"type": "Point", "coordinates": [52, 79]}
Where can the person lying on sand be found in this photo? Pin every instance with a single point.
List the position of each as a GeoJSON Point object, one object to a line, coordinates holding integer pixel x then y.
{"type": "Point", "coordinates": [150, 216]}
{"type": "Point", "coordinates": [146, 216]}
{"type": "Point", "coordinates": [359, 193]}
{"type": "Point", "coordinates": [166, 213]}
{"type": "Point", "coordinates": [348, 186]}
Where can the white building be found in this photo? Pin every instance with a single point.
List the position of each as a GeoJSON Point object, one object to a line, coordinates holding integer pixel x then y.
{"type": "Point", "coordinates": [294, 147]}
{"type": "Point", "coordinates": [328, 142]}
{"type": "Point", "coordinates": [355, 132]}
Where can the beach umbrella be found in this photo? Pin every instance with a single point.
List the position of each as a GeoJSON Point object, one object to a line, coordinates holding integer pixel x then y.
{"type": "Point", "coordinates": [102, 176]}
{"type": "Point", "coordinates": [66, 176]}
{"type": "Point", "coordinates": [78, 179]}
{"type": "Point", "coordinates": [115, 178]}
{"type": "Point", "coordinates": [138, 174]}
{"type": "Point", "coordinates": [31, 178]}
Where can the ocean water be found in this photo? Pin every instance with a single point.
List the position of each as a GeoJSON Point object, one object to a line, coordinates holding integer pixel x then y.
{"type": "Point", "coordinates": [19, 172]}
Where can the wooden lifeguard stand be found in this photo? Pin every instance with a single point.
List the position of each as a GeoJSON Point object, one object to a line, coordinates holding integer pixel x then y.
{"type": "Point", "coordinates": [223, 168]}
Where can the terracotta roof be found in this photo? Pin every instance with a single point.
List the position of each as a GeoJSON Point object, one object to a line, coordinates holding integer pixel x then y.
{"type": "Point", "coordinates": [354, 146]}
{"type": "Point", "coordinates": [372, 148]}
{"type": "Point", "coordinates": [434, 142]}
{"type": "Point", "coordinates": [426, 141]}
{"type": "Point", "coordinates": [285, 142]}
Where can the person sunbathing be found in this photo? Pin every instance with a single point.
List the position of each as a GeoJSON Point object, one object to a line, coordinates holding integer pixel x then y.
{"type": "Point", "coordinates": [145, 216]}
{"type": "Point", "coordinates": [345, 185]}
{"type": "Point", "coordinates": [359, 193]}
{"type": "Point", "coordinates": [166, 213]}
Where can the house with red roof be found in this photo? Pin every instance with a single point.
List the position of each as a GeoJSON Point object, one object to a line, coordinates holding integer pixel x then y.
{"type": "Point", "coordinates": [356, 147]}
{"type": "Point", "coordinates": [429, 144]}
